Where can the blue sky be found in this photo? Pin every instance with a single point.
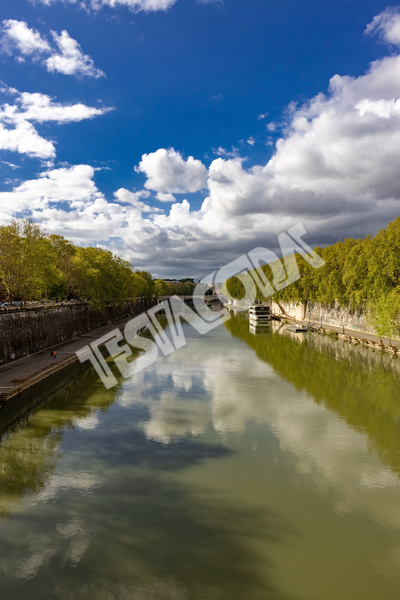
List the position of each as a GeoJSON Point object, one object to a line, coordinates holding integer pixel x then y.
{"type": "Point", "coordinates": [181, 133]}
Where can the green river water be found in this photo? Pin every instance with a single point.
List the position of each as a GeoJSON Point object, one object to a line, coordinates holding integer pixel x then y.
{"type": "Point", "coordinates": [240, 467]}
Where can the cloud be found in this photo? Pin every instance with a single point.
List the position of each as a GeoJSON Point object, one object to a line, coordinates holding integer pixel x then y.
{"type": "Point", "coordinates": [165, 197]}
{"type": "Point", "coordinates": [124, 196]}
{"type": "Point", "coordinates": [24, 138]}
{"type": "Point", "coordinates": [67, 201]}
{"type": "Point", "coordinates": [18, 134]}
{"type": "Point", "coordinates": [71, 60]}
{"type": "Point", "coordinates": [218, 2]}
{"type": "Point", "coordinates": [338, 158]}
{"type": "Point", "coordinates": [386, 25]}
{"type": "Point", "coordinates": [220, 151]}
{"type": "Point", "coordinates": [11, 165]}
{"type": "Point", "coordinates": [167, 172]}
{"type": "Point", "coordinates": [72, 184]}
{"type": "Point", "coordinates": [26, 40]}
{"type": "Point", "coordinates": [133, 5]}
{"type": "Point", "coordinates": [334, 168]}
{"type": "Point", "coordinates": [65, 57]}
{"type": "Point", "coordinates": [41, 108]}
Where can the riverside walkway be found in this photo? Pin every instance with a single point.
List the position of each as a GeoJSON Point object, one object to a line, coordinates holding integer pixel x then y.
{"type": "Point", "coordinates": [22, 374]}
{"type": "Point", "coordinates": [353, 335]}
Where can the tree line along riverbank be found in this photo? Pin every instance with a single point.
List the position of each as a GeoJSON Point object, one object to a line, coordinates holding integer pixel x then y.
{"type": "Point", "coordinates": [361, 275]}
{"type": "Point", "coordinates": [35, 265]}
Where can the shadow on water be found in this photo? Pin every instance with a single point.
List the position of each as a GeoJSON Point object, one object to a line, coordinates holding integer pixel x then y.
{"type": "Point", "coordinates": [139, 535]}
{"type": "Point", "coordinates": [133, 448]}
{"type": "Point", "coordinates": [29, 445]}
{"type": "Point", "coordinates": [207, 545]}
{"type": "Point", "coordinates": [148, 538]}
{"type": "Point", "coordinates": [360, 385]}
{"type": "Point", "coordinates": [62, 384]}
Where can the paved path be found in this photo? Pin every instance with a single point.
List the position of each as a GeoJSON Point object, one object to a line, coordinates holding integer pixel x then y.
{"type": "Point", "coordinates": [21, 374]}
{"type": "Point", "coordinates": [355, 333]}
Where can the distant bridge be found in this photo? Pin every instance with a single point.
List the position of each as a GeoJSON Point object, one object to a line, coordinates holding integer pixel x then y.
{"type": "Point", "coordinates": [211, 299]}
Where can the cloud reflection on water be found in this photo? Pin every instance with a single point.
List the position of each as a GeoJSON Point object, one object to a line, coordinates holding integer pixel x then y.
{"type": "Point", "coordinates": [234, 391]}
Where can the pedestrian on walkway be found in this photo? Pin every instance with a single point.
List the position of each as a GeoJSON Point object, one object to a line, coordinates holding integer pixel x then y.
{"type": "Point", "coordinates": [55, 353]}
{"type": "Point", "coordinates": [52, 354]}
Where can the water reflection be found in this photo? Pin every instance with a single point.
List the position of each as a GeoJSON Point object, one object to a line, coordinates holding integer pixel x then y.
{"type": "Point", "coordinates": [217, 473]}
{"type": "Point", "coordinates": [358, 384]}
{"type": "Point", "coordinates": [29, 451]}
{"type": "Point", "coordinates": [139, 534]}
{"type": "Point", "coordinates": [88, 492]}
{"type": "Point", "coordinates": [287, 391]}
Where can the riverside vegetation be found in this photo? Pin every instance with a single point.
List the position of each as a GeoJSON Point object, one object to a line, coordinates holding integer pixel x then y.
{"type": "Point", "coordinates": [36, 265]}
{"type": "Point", "coordinates": [360, 274]}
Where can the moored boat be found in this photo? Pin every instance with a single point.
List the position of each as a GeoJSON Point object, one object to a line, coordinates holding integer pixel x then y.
{"type": "Point", "coordinates": [297, 327]}
{"type": "Point", "coordinates": [259, 313]}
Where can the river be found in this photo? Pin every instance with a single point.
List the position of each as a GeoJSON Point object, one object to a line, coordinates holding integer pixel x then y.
{"type": "Point", "coordinates": [240, 467]}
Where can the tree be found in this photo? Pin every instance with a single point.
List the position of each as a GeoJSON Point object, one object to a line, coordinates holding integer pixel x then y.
{"type": "Point", "coordinates": [64, 251]}
{"type": "Point", "coordinates": [160, 288]}
{"type": "Point", "coordinates": [102, 278]}
{"type": "Point", "coordinates": [235, 288]}
{"type": "Point", "coordinates": [145, 284]}
{"type": "Point", "coordinates": [384, 314]}
{"type": "Point", "coordinates": [25, 260]}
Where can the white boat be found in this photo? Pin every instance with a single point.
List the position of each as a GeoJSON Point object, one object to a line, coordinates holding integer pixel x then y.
{"type": "Point", "coordinates": [259, 313]}
{"type": "Point", "coordinates": [296, 327]}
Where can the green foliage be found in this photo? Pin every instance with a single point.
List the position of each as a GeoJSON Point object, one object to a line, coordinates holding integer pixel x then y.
{"type": "Point", "coordinates": [160, 288]}
{"type": "Point", "coordinates": [27, 266]}
{"type": "Point", "coordinates": [165, 287]}
{"type": "Point", "coordinates": [358, 274]}
{"type": "Point", "coordinates": [35, 265]}
{"type": "Point", "coordinates": [144, 284]}
{"type": "Point", "coordinates": [385, 314]}
{"type": "Point", "coordinates": [366, 398]}
{"type": "Point", "coordinates": [235, 288]}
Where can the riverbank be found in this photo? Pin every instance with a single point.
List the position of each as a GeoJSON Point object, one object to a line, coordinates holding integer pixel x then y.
{"type": "Point", "coordinates": [353, 336]}
{"type": "Point", "coordinates": [23, 374]}
{"type": "Point", "coordinates": [334, 315]}
{"type": "Point", "coordinates": [28, 330]}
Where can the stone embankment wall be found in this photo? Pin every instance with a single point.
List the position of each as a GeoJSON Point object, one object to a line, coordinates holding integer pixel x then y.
{"type": "Point", "coordinates": [330, 315]}
{"type": "Point", "coordinates": [24, 332]}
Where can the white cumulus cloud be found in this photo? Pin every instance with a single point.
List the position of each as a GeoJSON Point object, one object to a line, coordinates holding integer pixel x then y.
{"type": "Point", "coordinates": [168, 172]}
{"type": "Point", "coordinates": [26, 40]}
{"type": "Point", "coordinates": [335, 168]}
{"type": "Point", "coordinates": [41, 108]}
{"type": "Point", "coordinates": [165, 197]}
{"type": "Point", "coordinates": [66, 55]}
{"type": "Point", "coordinates": [71, 60]}
{"type": "Point", "coordinates": [133, 199]}
{"type": "Point", "coordinates": [18, 134]}
{"type": "Point", "coordinates": [71, 184]}
{"type": "Point", "coordinates": [387, 25]}
{"type": "Point", "coordinates": [22, 137]}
